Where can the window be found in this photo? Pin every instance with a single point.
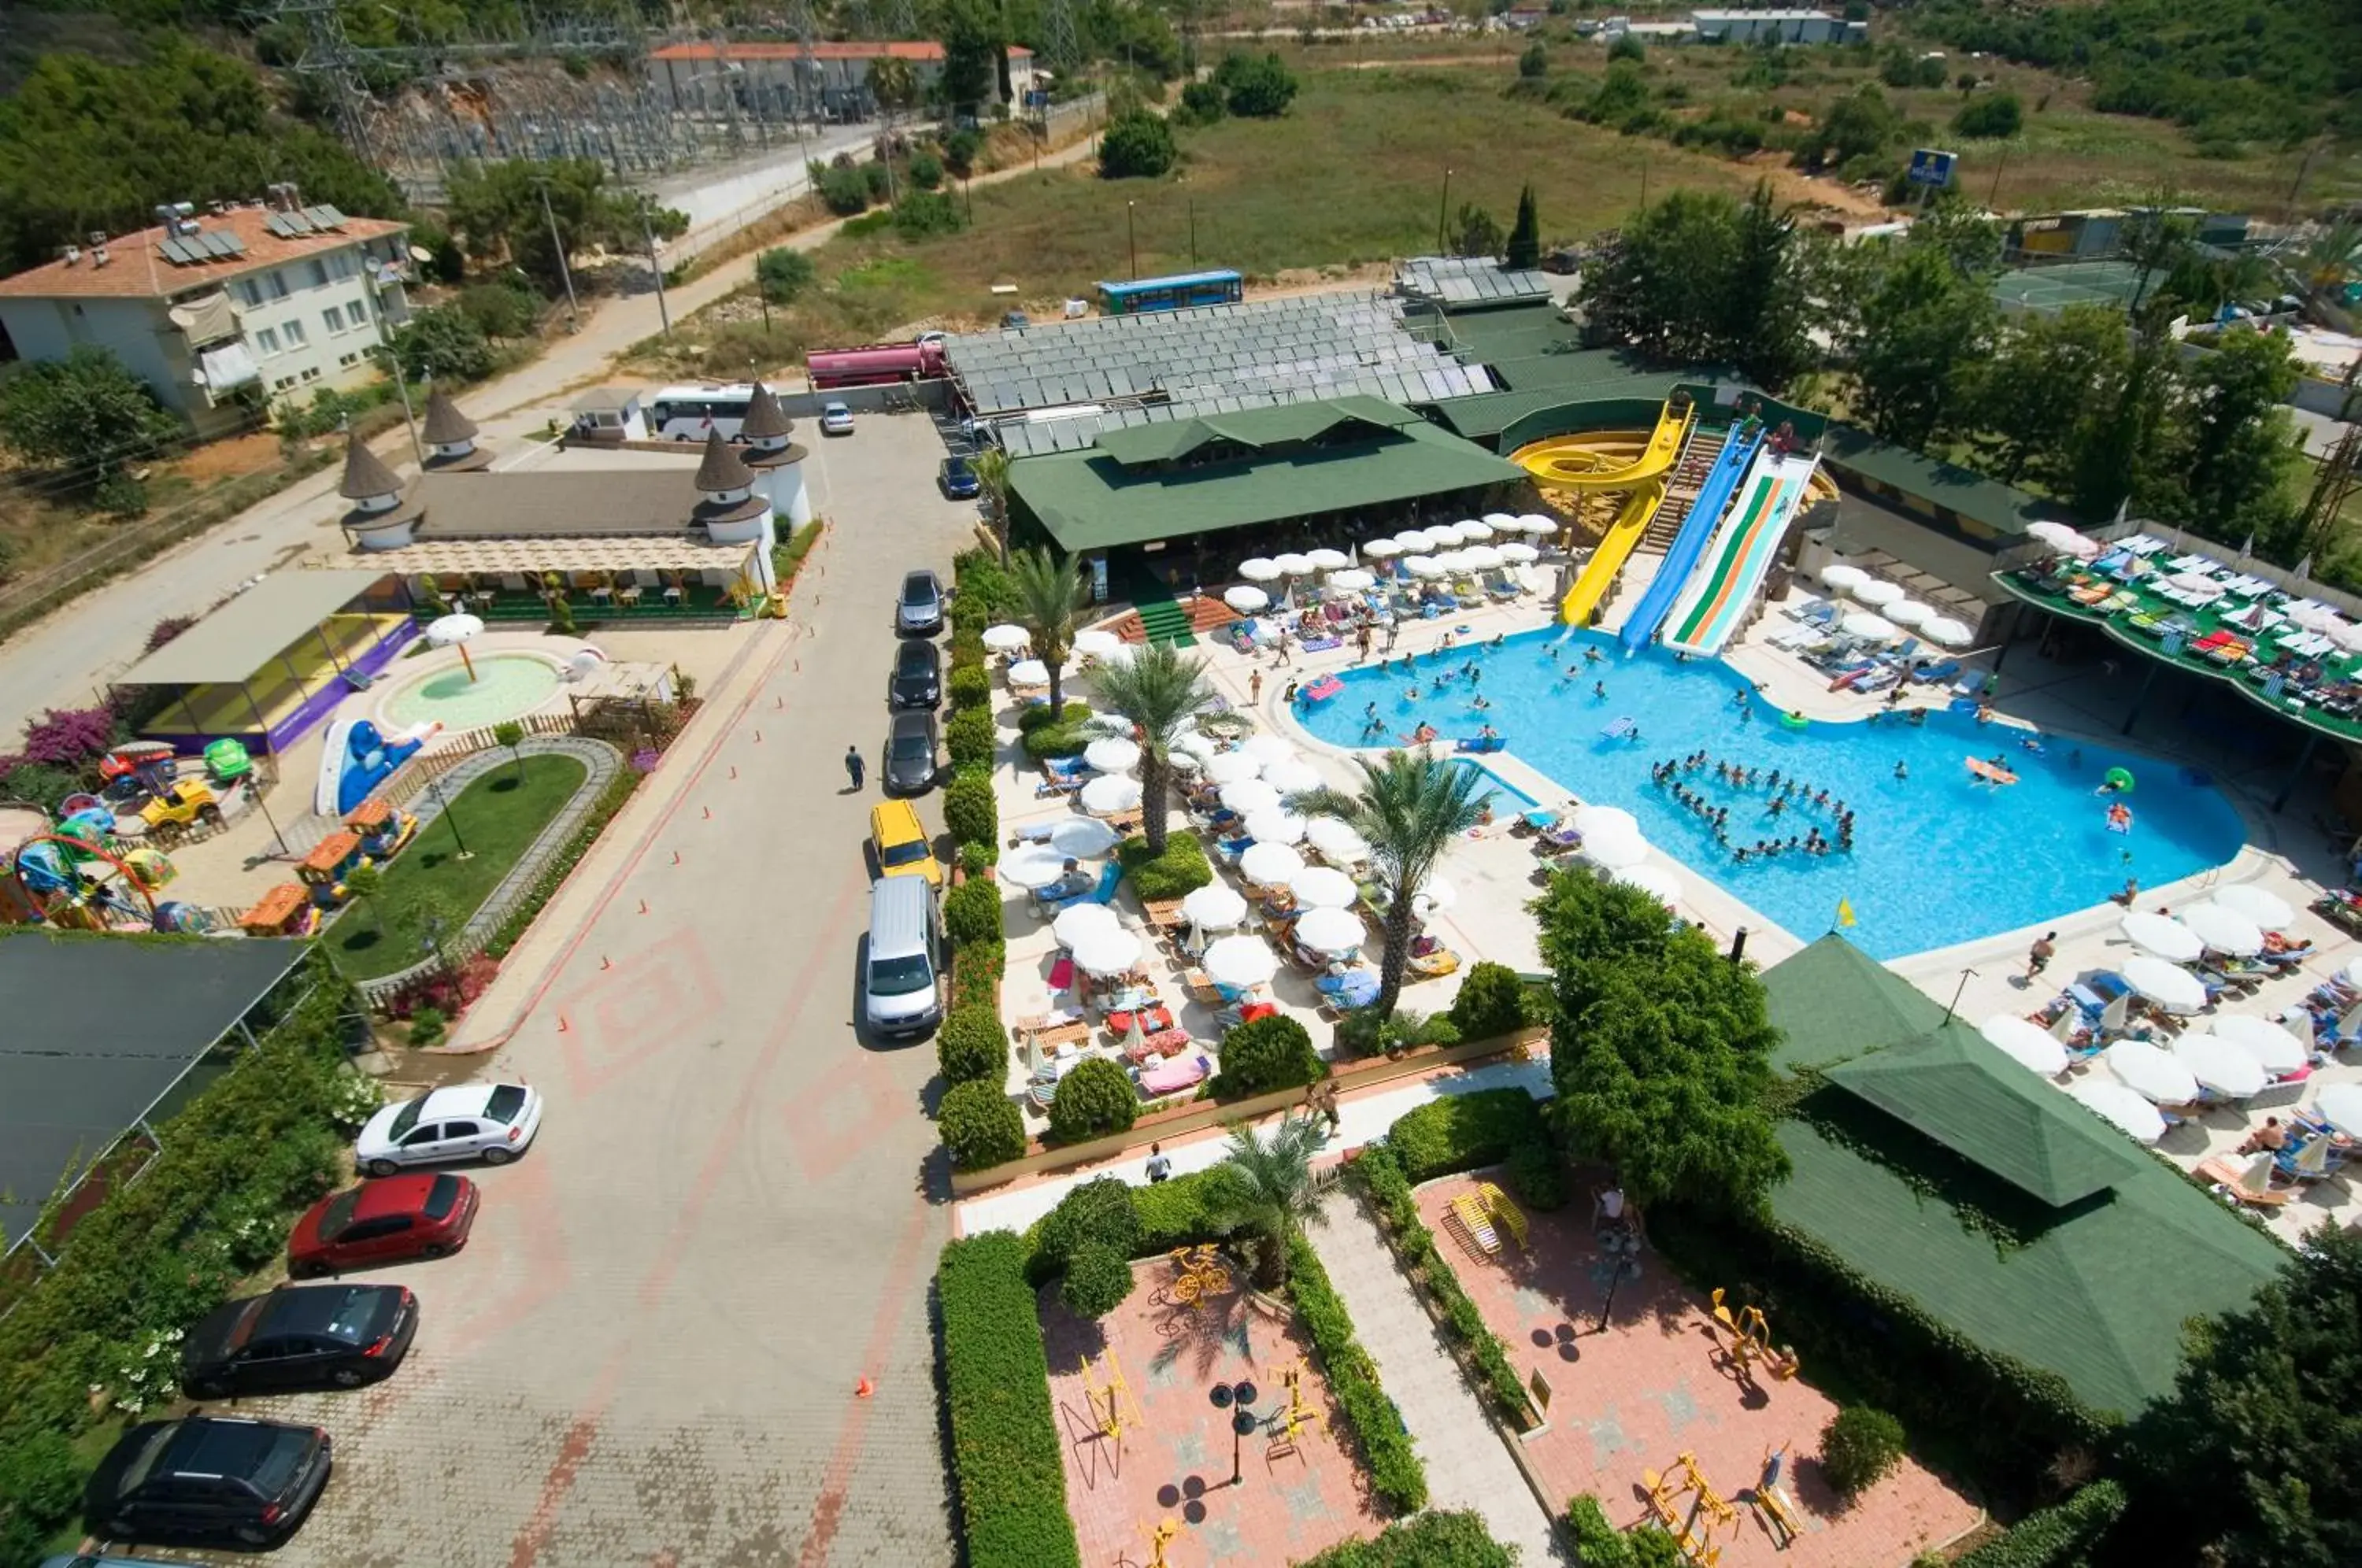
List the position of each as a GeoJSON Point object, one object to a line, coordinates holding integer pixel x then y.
{"type": "Point", "coordinates": [341, 265]}
{"type": "Point", "coordinates": [315, 275]}
{"type": "Point", "coordinates": [267, 340]}
{"type": "Point", "coordinates": [273, 285]}
{"type": "Point", "coordinates": [504, 1103]}
{"type": "Point", "coordinates": [250, 292]}
{"type": "Point", "coordinates": [334, 317]}
{"type": "Point", "coordinates": [311, 374]}
{"type": "Point", "coordinates": [283, 383]}
{"type": "Point", "coordinates": [346, 361]}
{"type": "Point", "coordinates": [422, 1136]}
{"type": "Point", "coordinates": [293, 330]}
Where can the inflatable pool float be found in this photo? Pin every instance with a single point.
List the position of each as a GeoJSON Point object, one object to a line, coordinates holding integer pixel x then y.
{"type": "Point", "coordinates": [1992, 773]}
{"type": "Point", "coordinates": [1320, 691]}
{"type": "Point", "coordinates": [2118, 780]}
{"type": "Point", "coordinates": [2120, 818]}
{"type": "Point", "coordinates": [1794, 722]}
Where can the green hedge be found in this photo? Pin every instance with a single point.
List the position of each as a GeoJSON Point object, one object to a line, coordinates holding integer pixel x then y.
{"type": "Point", "coordinates": [970, 687]}
{"type": "Point", "coordinates": [1599, 1544]}
{"type": "Point", "coordinates": [1038, 716]}
{"type": "Point", "coordinates": [1274, 1053]}
{"type": "Point", "coordinates": [1181, 869]}
{"type": "Point", "coordinates": [1005, 1445]}
{"type": "Point", "coordinates": [980, 1125]}
{"type": "Point", "coordinates": [972, 913]}
{"type": "Point", "coordinates": [1395, 1474]}
{"type": "Point", "coordinates": [1045, 740]}
{"type": "Point", "coordinates": [1437, 1540]}
{"type": "Point", "coordinates": [1173, 1214]}
{"type": "Point", "coordinates": [1097, 1098]}
{"type": "Point", "coordinates": [968, 738]}
{"type": "Point", "coordinates": [969, 810]}
{"type": "Point", "coordinates": [1461, 1131]}
{"type": "Point", "coordinates": [1492, 1001]}
{"type": "Point", "coordinates": [2055, 1537]}
{"type": "Point", "coordinates": [970, 1047]}
{"type": "Point", "coordinates": [976, 970]}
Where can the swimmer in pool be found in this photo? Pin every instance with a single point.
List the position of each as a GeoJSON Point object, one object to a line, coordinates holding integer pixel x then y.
{"type": "Point", "coordinates": [1903, 770]}
{"type": "Point", "coordinates": [1410, 693]}
{"type": "Point", "coordinates": [1599, 691]}
{"type": "Point", "coordinates": [1488, 732]}
{"type": "Point", "coordinates": [1590, 654]}
{"type": "Point", "coordinates": [1480, 702]}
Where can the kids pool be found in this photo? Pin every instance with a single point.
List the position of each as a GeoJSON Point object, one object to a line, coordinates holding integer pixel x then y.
{"type": "Point", "coordinates": [504, 686]}
{"type": "Point", "coordinates": [1939, 856]}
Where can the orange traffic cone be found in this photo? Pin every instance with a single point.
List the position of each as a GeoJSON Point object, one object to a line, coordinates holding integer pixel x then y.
{"type": "Point", "coordinates": [863, 1390]}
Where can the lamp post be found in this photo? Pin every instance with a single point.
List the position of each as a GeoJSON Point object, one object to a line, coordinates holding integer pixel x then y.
{"type": "Point", "coordinates": [1442, 207]}
{"type": "Point", "coordinates": [1622, 1250]}
{"type": "Point", "coordinates": [1130, 241]}
{"type": "Point", "coordinates": [1236, 1397]}
{"type": "Point", "coordinates": [434, 788]}
{"type": "Point", "coordinates": [1954, 1005]}
{"type": "Point", "coordinates": [565, 274]}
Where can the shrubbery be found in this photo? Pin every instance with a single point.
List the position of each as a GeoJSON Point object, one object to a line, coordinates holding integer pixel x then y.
{"type": "Point", "coordinates": [969, 810]}
{"type": "Point", "coordinates": [1005, 1446]}
{"type": "Point", "coordinates": [1433, 1540]}
{"type": "Point", "coordinates": [1181, 869]}
{"type": "Point", "coordinates": [1492, 1001]}
{"type": "Point", "coordinates": [1859, 1446]}
{"type": "Point", "coordinates": [2054, 1537]}
{"type": "Point", "coordinates": [969, 739]}
{"type": "Point", "coordinates": [1038, 716]}
{"type": "Point", "coordinates": [1363, 1033]}
{"type": "Point", "coordinates": [1097, 1279]}
{"type": "Point", "coordinates": [782, 273]}
{"type": "Point", "coordinates": [969, 1047]}
{"type": "Point", "coordinates": [1100, 1212]}
{"type": "Point", "coordinates": [1273, 1053]}
{"type": "Point", "coordinates": [1393, 1465]}
{"type": "Point", "coordinates": [1538, 1176]}
{"type": "Point", "coordinates": [979, 1125]}
{"type": "Point", "coordinates": [1599, 1544]}
{"type": "Point", "coordinates": [1045, 740]}
{"type": "Point", "coordinates": [969, 687]}
{"type": "Point", "coordinates": [1255, 86]}
{"type": "Point", "coordinates": [1136, 145]}
{"type": "Point", "coordinates": [1461, 1131]}
{"type": "Point", "coordinates": [1096, 1096]}
{"type": "Point", "coordinates": [972, 913]}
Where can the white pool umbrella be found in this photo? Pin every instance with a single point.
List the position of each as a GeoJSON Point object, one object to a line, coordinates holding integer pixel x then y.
{"type": "Point", "coordinates": [1536, 523]}
{"type": "Point", "coordinates": [2161, 934]}
{"type": "Point", "coordinates": [1655, 881]}
{"type": "Point", "coordinates": [2173, 988]}
{"type": "Point", "coordinates": [1085, 838]}
{"type": "Point", "coordinates": [1873, 590]}
{"type": "Point", "coordinates": [2352, 973]}
{"type": "Point", "coordinates": [1293, 564]}
{"type": "Point", "coordinates": [454, 632]}
{"type": "Point", "coordinates": [1331, 931]}
{"type": "Point", "coordinates": [1217, 906]}
{"type": "Point", "coordinates": [2220, 1065]}
{"type": "Point", "coordinates": [1477, 533]}
{"type": "Point", "coordinates": [1335, 838]}
{"type": "Point", "coordinates": [1416, 539]}
{"type": "Point", "coordinates": [1424, 565]}
{"type": "Point", "coordinates": [1006, 637]}
{"type": "Point", "coordinates": [1434, 894]}
{"type": "Point", "coordinates": [1267, 748]}
{"type": "Point", "coordinates": [1454, 560]}
{"type": "Point", "coordinates": [2115, 1103]}
{"type": "Point", "coordinates": [1380, 549]}
{"type": "Point", "coordinates": [1028, 672]}
{"type": "Point", "coordinates": [1292, 776]}
{"type": "Point", "coordinates": [1240, 962]}
{"type": "Point", "coordinates": [1248, 797]}
{"type": "Point", "coordinates": [1204, 748]}
{"type": "Point", "coordinates": [1842, 577]}
{"type": "Point", "coordinates": [1518, 552]}
{"type": "Point", "coordinates": [1615, 851]}
{"type": "Point", "coordinates": [1910, 613]}
{"type": "Point", "coordinates": [1107, 953]}
{"type": "Point", "coordinates": [1498, 520]}
{"type": "Point", "coordinates": [1260, 569]}
{"type": "Point", "coordinates": [1112, 754]}
{"type": "Point", "coordinates": [1096, 644]}
{"type": "Point", "coordinates": [1589, 820]}
{"type": "Point", "coordinates": [1275, 827]}
{"type": "Point", "coordinates": [1482, 558]}
{"type": "Point", "coordinates": [2276, 1046]}
{"type": "Point", "coordinates": [1078, 923]}
{"type": "Point", "coordinates": [1318, 887]}
{"type": "Point", "coordinates": [2340, 1105]}
{"type": "Point", "coordinates": [1945, 632]}
{"type": "Point", "coordinates": [1269, 864]}
{"type": "Point", "coordinates": [1246, 600]}
{"type": "Point", "coordinates": [1870, 628]}
{"type": "Point", "coordinates": [1327, 560]}
{"type": "Point", "coordinates": [2196, 585]}
{"type": "Point", "coordinates": [1228, 768]}
{"type": "Point", "coordinates": [1035, 866]}
{"type": "Point", "coordinates": [1110, 793]}
{"type": "Point", "coordinates": [2059, 536]}
{"type": "Point", "coordinates": [1353, 580]}
{"type": "Point", "coordinates": [2025, 1042]}
{"type": "Point", "coordinates": [2224, 930]}
{"type": "Point", "coordinates": [2150, 1072]}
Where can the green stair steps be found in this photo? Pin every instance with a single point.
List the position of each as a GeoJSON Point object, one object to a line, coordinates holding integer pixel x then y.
{"type": "Point", "coordinates": [1163, 620]}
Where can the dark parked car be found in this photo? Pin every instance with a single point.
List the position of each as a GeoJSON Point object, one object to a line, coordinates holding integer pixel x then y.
{"type": "Point", "coordinates": [959, 479]}
{"type": "Point", "coordinates": [383, 1221]}
{"type": "Point", "coordinates": [910, 754]}
{"type": "Point", "coordinates": [208, 1477]}
{"type": "Point", "coordinates": [305, 1336]}
{"type": "Point", "coordinates": [919, 611]}
{"type": "Point", "coordinates": [918, 676]}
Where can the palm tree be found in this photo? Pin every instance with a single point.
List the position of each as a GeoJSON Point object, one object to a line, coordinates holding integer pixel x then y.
{"type": "Point", "coordinates": [1049, 594]}
{"type": "Point", "coordinates": [1269, 1187]}
{"type": "Point", "coordinates": [1409, 808]}
{"type": "Point", "coordinates": [1160, 690]}
{"type": "Point", "coordinates": [992, 466]}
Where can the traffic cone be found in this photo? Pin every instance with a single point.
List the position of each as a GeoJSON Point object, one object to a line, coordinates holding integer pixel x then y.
{"type": "Point", "coordinates": [863, 1390]}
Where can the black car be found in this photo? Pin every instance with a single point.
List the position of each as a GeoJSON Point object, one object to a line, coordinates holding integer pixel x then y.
{"type": "Point", "coordinates": [919, 608]}
{"type": "Point", "coordinates": [211, 1478]}
{"type": "Point", "coordinates": [305, 1336]}
{"type": "Point", "coordinates": [910, 754]}
{"type": "Point", "coordinates": [918, 676]}
{"type": "Point", "coordinates": [959, 479]}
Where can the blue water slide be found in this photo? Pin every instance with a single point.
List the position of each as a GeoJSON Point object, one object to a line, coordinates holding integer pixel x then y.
{"type": "Point", "coordinates": [1712, 499]}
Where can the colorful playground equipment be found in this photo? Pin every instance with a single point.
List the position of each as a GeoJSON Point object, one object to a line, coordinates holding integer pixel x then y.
{"type": "Point", "coordinates": [372, 833]}
{"type": "Point", "coordinates": [1199, 1276]}
{"type": "Point", "coordinates": [1159, 1538]}
{"type": "Point", "coordinates": [1771, 1500]}
{"type": "Point", "coordinates": [1109, 1404]}
{"type": "Point", "coordinates": [355, 759]}
{"type": "Point", "coordinates": [1713, 602]}
{"type": "Point", "coordinates": [1738, 446]}
{"type": "Point", "coordinates": [73, 878]}
{"type": "Point", "coordinates": [286, 909]}
{"type": "Point", "coordinates": [1580, 465]}
{"type": "Point", "coordinates": [1745, 1338]}
{"type": "Point", "coordinates": [1479, 1219]}
{"type": "Point", "coordinates": [382, 830]}
{"type": "Point", "coordinates": [1693, 1525]}
{"type": "Point", "coordinates": [179, 805]}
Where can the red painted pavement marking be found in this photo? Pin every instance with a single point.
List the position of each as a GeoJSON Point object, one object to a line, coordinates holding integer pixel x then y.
{"type": "Point", "coordinates": [644, 1005]}
{"type": "Point", "coordinates": [825, 1136]}
{"type": "Point", "coordinates": [526, 1549]}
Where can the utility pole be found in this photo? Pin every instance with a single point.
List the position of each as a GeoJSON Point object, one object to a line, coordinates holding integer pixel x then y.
{"type": "Point", "coordinates": [656, 266]}
{"type": "Point", "coordinates": [1442, 207]}
{"type": "Point", "coordinates": [1131, 241]}
{"type": "Point", "coordinates": [565, 274]}
{"type": "Point", "coordinates": [1193, 234]}
{"type": "Point", "coordinates": [1993, 195]}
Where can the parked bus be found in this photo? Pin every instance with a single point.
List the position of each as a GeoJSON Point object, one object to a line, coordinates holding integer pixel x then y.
{"type": "Point", "coordinates": [690, 414]}
{"type": "Point", "coordinates": [876, 364]}
{"type": "Point", "coordinates": [1180, 291]}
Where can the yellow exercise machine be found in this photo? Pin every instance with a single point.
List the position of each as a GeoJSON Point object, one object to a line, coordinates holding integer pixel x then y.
{"type": "Point", "coordinates": [1290, 1422]}
{"type": "Point", "coordinates": [1480, 1218]}
{"type": "Point", "coordinates": [1164, 1532]}
{"type": "Point", "coordinates": [1746, 1338]}
{"type": "Point", "coordinates": [1109, 1404]}
{"type": "Point", "coordinates": [1708, 1510]}
{"type": "Point", "coordinates": [1773, 1503]}
{"type": "Point", "coordinates": [1199, 1275]}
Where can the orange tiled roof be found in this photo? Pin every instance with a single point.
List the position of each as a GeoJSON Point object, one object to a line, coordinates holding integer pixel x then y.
{"type": "Point", "coordinates": [923, 48]}
{"type": "Point", "coordinates": [137, 269]}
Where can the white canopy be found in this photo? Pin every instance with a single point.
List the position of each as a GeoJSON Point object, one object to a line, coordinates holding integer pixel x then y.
{"type": "Point", "coordinates": [2278, 1048]}
{"type": "Point", "coordinates": [446, 629]}
{"type": "Point", "coordinates": [1353, 580]}
{"type": "Point", "coordinates": [1659, 883]}
{"type": "Point", "coordinates": [1327, 560]}
{"type": "Point", "coordinates": [1870, 628]}
{"type": "Point", "coordinates": [1240, 961]}
{"type": "Point", "coordinates": [1292, 564]}
{"type": "Point", "coordinates": [1318, 887]}
{"type": "Point", "coordinates": [1084, 837]}
{"type": "Point", "coordinates": [1260, 569]}
{"type": "Point", "coordinates": [2059, 536]}
{"type": "Point", "coordinates": [1473, 531]}
{"type": "Point", "coordinates": [1028, 672]}
{"type": "Point", "coordinates": [1248, 797]}
{"type": "Point", "coordinates": [1110, 793]}
{"type": "Point", "coordinates": [2174, 989]}
{"type": "Point", "coordinates": [1267, 748]}
{"type": "Point", "coordinates": [1499, 520]}
{"type": "Point", "coordinates": [1843, 577]}
{"type": "Point", "coordinates": [1518, 552]}
{"type": "Point", "coordinates": [2025, 1042]}
{"type": "Point", "coordinates": [2117, 1104]}
{"type": "Point", "coordinates": [1875, 591]}
{"type": "Point", "coordinates": [2151, 1072]}
{"type": "Point", "coordinates": [1331, 931]}
{"type": "Point", "coordinates": [1424, 566]}
{"type": "Point", "coordinates": [1615, 851]}
{"type": "Point", "coordinates": [1268, 865]}
{"type": "Point", "coordinates": [1335, 837]}
{"type": "Point", "coordinates": [1535, 523]}
{"type": "Point", "coordinates": [2224, 930]}
{"type": "Point", "coordinates": [1417, 539]}
{"type": "Point", "coordinates": [1945, 632]}
{"type": "Point", "coordinates": [2340, 1105]}
{"type": "Point", "coordinates": [1231, 767]}
{"type": "Point", "coordinates": [1204, 748]}
{"type": "Point", "coordinates": [1292, 776]}
{"type": "Point", "coordinates": [1107, 953]}
{"type": "Point", "coordinates": [1035, 866]}
{"type": "Point", "coordinates": [1079, 922]}
{"type": "Point", "coordinates": [1096, 644]}
{"type": "Point", "coordinates": [2161, 934]}
{"type": "Point", "coordinates": [1217, 906]}
{"type": "Point", "coordinates": [1246, 599]}
{"type": "Point", "coordinates": [1482, 558]}
{"type": "Point", "coordinates": [1589, 820]}
{"type": "Point", "coordinates": [1910, 613]}
{"type": "Point", "coordinates": [1112, 754]}
{"type": "Point", "coordinates": [1273, 825]}
{"type": "Point", "coordinates": [2266, 908]}
{"type": "Point", "coordinates": [1007, 637]}
{"type": "Point", "coordinates": [2220, 1065]}
{"type": "Point", "coordinates": [1379, 549]}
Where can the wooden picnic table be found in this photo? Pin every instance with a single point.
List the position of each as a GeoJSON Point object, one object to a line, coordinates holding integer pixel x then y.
{"type": "Point", "coordinates": [1050, 1036]}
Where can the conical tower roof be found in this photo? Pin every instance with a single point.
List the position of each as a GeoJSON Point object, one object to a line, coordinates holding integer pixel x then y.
{"type": "Point", "coordinates": [445, 425]}
{"type": "Point", "coordinates": [365, 477]}
{"type": "Point", "coordinates": [722, 469]}
{"type": "Point", "coordinates": [766, 420]}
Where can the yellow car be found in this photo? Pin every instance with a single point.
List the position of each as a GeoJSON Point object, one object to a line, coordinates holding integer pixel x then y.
{"type": "Point", "coordinates": [902, 845]}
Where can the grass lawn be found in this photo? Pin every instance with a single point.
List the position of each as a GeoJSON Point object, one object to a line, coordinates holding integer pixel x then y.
{"type": "Point", "coordinates": [498, 816]}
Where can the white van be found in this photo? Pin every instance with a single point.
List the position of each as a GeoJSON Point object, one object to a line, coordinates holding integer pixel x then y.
{"type": "Point", "coordinates": [902, 977]}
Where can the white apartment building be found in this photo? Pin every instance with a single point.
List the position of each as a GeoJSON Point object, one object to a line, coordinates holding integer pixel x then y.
{"type": "Point", "coordinates": [277, 296]}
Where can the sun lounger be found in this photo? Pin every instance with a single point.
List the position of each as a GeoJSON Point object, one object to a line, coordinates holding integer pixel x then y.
{"type": "Point", "coordinates": [1174, 1076]}
{"type": "Point", "coordinates": [2250, 1183]}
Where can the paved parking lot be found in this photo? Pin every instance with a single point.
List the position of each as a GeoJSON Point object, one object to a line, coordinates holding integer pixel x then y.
{"type": "Point", "coordinates": [648, 1353]}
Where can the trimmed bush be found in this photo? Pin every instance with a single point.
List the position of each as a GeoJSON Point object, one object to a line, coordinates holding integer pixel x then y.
{"type": "Point", "coordinates": [1538, 1176]}
{"type": "Point", "coordinates": [970, 1048]}
{"type": "Point", "coordinates": [972, 913]}
{"type": "Point", "coordinates": [968, 736]}
{"type": "Point", "coordinates": [1492, 1001]}
{"type": "Point", "coordinates": [1097, 1213]}
{"type": "Point", "coordinates": [1435, 1540]}
{"type": "Point", "coordinates": [1393, 1466]}
{"type": "Point", "coordinates": [1599, 1544]}
{"type": "Point", "coordinates": [1037, 716]}
{"type": "Point", "coordinates": [976, 971]}
{"type": "Point", "coordinates": [1097, 1279]}
{"type": "Point", "coordinates": [1181, 869]}
{"type": "Point", "coordinates": [1172, 1214]}
{"type": "Point", "coordinates": [1364, 1033]}
{"type": "Point", "coordinates": [1859, 1446]}
{"type": "Point", "coordinates": [1462, 1131]}
{"type": "Point", "coordinates": [1005, 1444]}
{"type": "Point", "coordinates": [2054, 1537]}
{"type": "Point", "coordinates": [1096, 1097]}
{"type": "Point", "coordinates": [980, 1126]}
{"type": "Point", "coordinates": [968, 647]}
{"type": "Point", "coordinates": [969, 810]}
{"type": "Point", "coordinates": [1057, 740]}
{"type": "Point", "coordinates": [969, 688]}
{"type": "Point", "coordinates": [1272, 1053]}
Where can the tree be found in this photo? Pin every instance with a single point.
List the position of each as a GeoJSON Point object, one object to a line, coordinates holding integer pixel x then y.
{"type": "Point", "coordinates": [1524, 249]}
{"type": "Point", "coordinates": [1160, 690]}
{"type": "Point", "coordinates": [1410, 809]}
{"type": "Point", "coordinates": [2037, 388]}
{"type": "Point", "coordinates": [84, 413]}
{"type": "Point", "coordinates": [1255, 86]}
{"type": "Point", "coordinates": [1269, 1187]}
{"type": "Point", "coordinates": [1660, 1050]}
{"type": "Point", "coordinates": [1765, 306]}
{"type": "Point", "coordinates": [973, 38]}
{"type": "Point", "coordinates": [1534, 63]}
{"type": "Point", "coordinates": [496, 210]}
{"type": "Point", "coordinates": [782, 273]}
{"type": "Point", "coordinates": [1475, 233]}
{"type": "Point", "coordinates": [442, 342]}
{"type": "Point", "coordinates": [991, 466]}
{"type": "Point", "coordinates": [894, 83]}
{"type": "Point", "coordinates": [1050, 593]}
{"type": "Point", "coordinates": [2249, 1463]}
{"type": "Point", "coordinates": [1859, 1445]}
{"type": "Point", "coordinates": [362, 885]}
{"type": "Point", "coordinates": [510, 733]}
{"type": "Point", "coordinates": [1136, 145]}
{"type": "Point", "coordinates": [1859, 125]}
{"type": "Point", "coordinates": [1915, 334]}
{"type": "Point", "coordinates": [1096, 1096]}
{"type": "Point", "coordinates": [2116, 448]}
{"type": "Point", "coordinates": [1098, 1280]}
{"type": "Point", "coordinates": [1991, 117]}
{"type": "Point", "coordinates": [2231, 459]}
{"type": "Point", "coordinates": [1628, 45]}
{"type": "Point", "coordinates": [1646, 288]}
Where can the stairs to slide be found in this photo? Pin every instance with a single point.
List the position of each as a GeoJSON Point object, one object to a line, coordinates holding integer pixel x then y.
{"type": "Point", "coordinates": [1689, 476]}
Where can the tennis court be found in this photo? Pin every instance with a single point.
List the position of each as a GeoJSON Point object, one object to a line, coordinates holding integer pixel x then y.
{"type": "Point", "coordinates": [2072, 283]}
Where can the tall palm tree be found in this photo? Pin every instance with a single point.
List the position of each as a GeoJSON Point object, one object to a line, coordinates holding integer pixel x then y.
{"type": "Point", "coordinates": [992, 466]}
{"type": "Point", "coordinates": [1268, 1186]}
{"type": "Point", "coordinates": [1160, 690]}
{"type": "Point", "coordinates": [1409, 808]}
{"type": "Point", "coordinates": [1049, 595]}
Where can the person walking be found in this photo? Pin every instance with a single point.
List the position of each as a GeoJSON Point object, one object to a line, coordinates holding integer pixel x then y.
{"type": "Point", "coordinates": [2038, 957]}
{"type": "Point", "coordinates": [853, 768]}
{"type": "Point", "coordinates": [1255, 686]}
{"type": "Point", "coordinates": [1160, 1165]}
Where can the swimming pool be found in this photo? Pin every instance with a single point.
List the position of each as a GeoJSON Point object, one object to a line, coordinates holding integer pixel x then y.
{"type": "Point", "coordinates": [504, 686]}
{"type": "Point", "coordinates": [1939, 856]}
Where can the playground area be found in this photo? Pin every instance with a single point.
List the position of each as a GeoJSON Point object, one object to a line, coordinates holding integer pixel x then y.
{"type": "Point", "coordinates": [1195, 1413]}
{"type": "Point", "coordinates": [1669, 1413]}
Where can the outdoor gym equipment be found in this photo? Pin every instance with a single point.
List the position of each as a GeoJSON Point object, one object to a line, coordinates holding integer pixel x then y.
{"type": "Point", "coordinates": [1693, 1525]}
{"type": "Point", "coordinates": [1200, 1274]}
{"type": "Point", "coordinates": [1298, 1412]}
{"type": "Point", "coordinates": [1109, 1404]}
{"type": "Point", "coordinates": [1746, 1337]}
{"type": "Point", "coordinates": [1157, 1538]}
{"type": "Point", "coordinates": [1771, 1501]}
{"type": "Point", "coordinates": [1479, 1217]}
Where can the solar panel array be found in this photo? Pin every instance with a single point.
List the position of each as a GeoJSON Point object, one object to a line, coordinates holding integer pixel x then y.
{"type": "Point", "coordinates": [1182, 363]}
{"type": "Point", "coordinates": [202, 249]}
{"type": "Point", "coordinates": [1457, 280]}
{"type": "Point", "coordinates": [301, 222]}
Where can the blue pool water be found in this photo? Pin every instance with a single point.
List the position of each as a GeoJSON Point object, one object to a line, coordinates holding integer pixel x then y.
{"type": "Point", "coordinates": [1938, 857]}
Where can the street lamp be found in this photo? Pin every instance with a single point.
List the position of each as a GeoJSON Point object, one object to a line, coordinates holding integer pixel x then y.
{"type": "Point", "coordinates": [1130, 241]}
{"type": "Point", "coordinates": [1236, 1397]}
{"type": "Point", "coordinates": [435, 789]}
{"type": "Point", "coordinates": [1621, 1250]}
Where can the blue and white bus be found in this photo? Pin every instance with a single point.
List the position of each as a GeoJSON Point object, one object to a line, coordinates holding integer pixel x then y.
{"type": "Point", "coordinates": [1177, 293]}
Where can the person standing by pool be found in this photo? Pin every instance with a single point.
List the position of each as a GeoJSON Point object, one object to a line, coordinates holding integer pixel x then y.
{"type": "Point", "coordinates": [2038, 957]}
{"type": "Point", "coordinates": [1255, 686]}
{"type": "Point", "coordinates": [1361, 640]}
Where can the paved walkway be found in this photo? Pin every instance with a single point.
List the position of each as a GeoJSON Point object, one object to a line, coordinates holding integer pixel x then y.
{"type": "Point", "coordinates": [1468, 1466]}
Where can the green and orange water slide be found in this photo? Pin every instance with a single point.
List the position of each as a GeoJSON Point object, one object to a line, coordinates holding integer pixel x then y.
{"type": "Point", "coordinates": [1715, 601]}
{"type": "Point", "coordinates": [1599, 465]}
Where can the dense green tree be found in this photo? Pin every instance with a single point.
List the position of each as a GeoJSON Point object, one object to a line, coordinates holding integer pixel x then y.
{"type": "Point", "coordinates": [1524, 247]}
{"type": "Point", "coordinates": [1862, 125]}
{"type": "Point", "coordinates": [2118, 444]}
{"type": "Point", "coordinates": [496, 209]}
{"type": "Point", "coordinates": [84, 414]}
{"type": "Point", "coordinates": [2231, 454]}
{"type": "Point", "coordinates": [1994, 115]}
{"type": "Point", "coordinates": [782, 273]}
{"type": "Point", "coordinates": [1162, 690]}
{"type": "Point", "coordinates": [1475, 233]}
{"type": "Point", "coordinates": [1645, 286]}
{"type": "Point", "coordinates": [1661, 1049]}
{"type": "Point", "coordinates": [1136, 145]}
{"type": "Point", "coordinates": [1627, 47]}
{"type": "Point", "coordinates": [973, 37]}
{"type": "Point", "coordinates": [2035, 391]}
{"type": "Point", "coordinates": [442, 342]}
{"type": "Point", "coordinates": [1534, 63]}
{"type": "Point", "coordinates": [1255, 86]}
{"type": "Point", "coordinates": [1914, 332]}
{"type": "Point", "coordinates": [1762, 296]}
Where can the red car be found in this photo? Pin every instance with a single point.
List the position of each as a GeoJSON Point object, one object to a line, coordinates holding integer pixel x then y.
{"type": "Point", "coordinates": [383, 1221]}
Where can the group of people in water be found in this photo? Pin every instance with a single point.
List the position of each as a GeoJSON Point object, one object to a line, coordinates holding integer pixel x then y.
{"type": "Point", "coordinates": [1785, 792]}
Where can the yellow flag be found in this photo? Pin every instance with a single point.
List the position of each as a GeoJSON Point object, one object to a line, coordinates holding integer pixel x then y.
{"type": "Point", "coordinates": [1845, 912]}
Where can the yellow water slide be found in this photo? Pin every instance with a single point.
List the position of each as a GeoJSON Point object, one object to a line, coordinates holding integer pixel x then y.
{"type": "Point", "coordinates": [1597, 465]}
